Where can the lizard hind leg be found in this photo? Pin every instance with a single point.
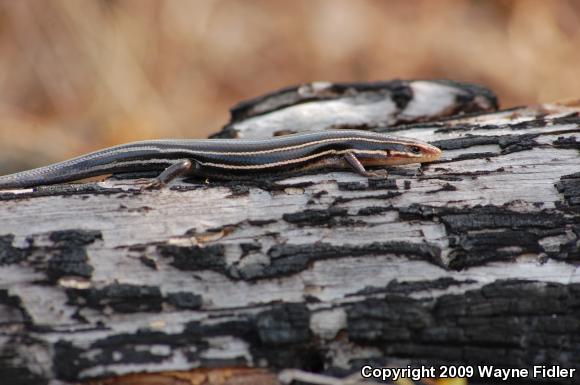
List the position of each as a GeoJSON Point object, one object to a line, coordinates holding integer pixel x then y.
{"type": "Point", "coordinates": [177, 169]}
{"type": "Point", "coordinates": [355, 163]}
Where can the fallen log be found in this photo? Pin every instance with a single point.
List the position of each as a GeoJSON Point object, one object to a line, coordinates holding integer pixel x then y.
{"type": "Point", "coordinates": [470, 260]}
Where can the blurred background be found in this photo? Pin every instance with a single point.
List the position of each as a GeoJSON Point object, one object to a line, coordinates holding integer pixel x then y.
{"type": "Point", "coordinates": [78, 75]}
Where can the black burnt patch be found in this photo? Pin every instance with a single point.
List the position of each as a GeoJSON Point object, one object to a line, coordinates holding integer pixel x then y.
{"type": "Point", "coordinates": [195, 258]}
{"type": "Point", "coordinates": [279, 335]}
{"type": "Point", "coordinates": [239, 190]}
{"type": "Point", "coordinates": [401, 93]}
{"type": "Point", "coordinates": [383, 322]}
{"type": "Point", "coordinates": [242, 327]}
{"type": "Point", "coordinates": [291, 259]}
{"type": "Point", "coordinates": [69, 361]}
{"type": "Point", "coordinates": [515, 317]}
{"type": "Point", "coordinates": [480, 248]}
{"type": "Point", "coordinates": [121, 298]}
{"type": "Point", "coordinates": [261, 222]}
{"type": "Point", "coordinates": [571, 118]}
{"type": "Point", "coordinates": [318, 195]}
{"type": "Point", "coordinates": [445, 187]}
{"type": "Point", "coordinates": [507, 143]}
{"type": "Point", "coordinates": [284, 338]}
{"type": "Point", "coordinates": [326, 217]}
{"type": "Point", "coordinates": [465, 142]}
{"type": "Point", "coordinates": [459, 220]}
{"type": "Point", "coordinates": [283, 325]}
{"type": "Point", "coordinates": [382, 184]}
{"type": "Point", "coordinates": [8, 253]}
{"type": "Point", "coordinates": [68, 261]}
{"type": "Point", "coordinates": [482, 234]}
{"type": "Point", "coordinates": [66, 238]}
{"type": "Point", "coordinates": [14, 303]}
{"type": "Point", "coordinates": [267, 182]}
{"type": "Point", "coordinates": [69, 254]}
{"type": "Point", "coordinates": [193, 184]}
{"type": "Point", "coordinates": [18, 374]}
{"type": "Point", "coordinates": [473, 98]}
{"type": "Point", "coordinates": [185, 300]}
{"type": "Point", "coordinates": [250, 247]}
{"type": "Point", "coordinates": [468, 127]}
{"type": "Point", "coordinates": [374, 210]}
{"type": "Point", "coordinates": [409, 287]}
{"type": "Point", "coordinates": [373, 184]}
{"type": "Point", "coordinates": [385, 196]}
{"type": "Point", "coordinates": [66, 257]}
{"type": "Point", "coordinates": [474, 155]}
{"type": "Point", "coordinates": [517, 143]}
{"type": "Point", "coordinates": [352, 186]}
{"type": "Point", "coordinates": [189, 336]}
{"type": "Point", "coordinates": [569, 187]}
{"type": "Point", "coordinates": [567, 142]}
{"type": "Point", "coordinates": [538, 122]}
{"type": "Point", "coordinates": [458, 176]}
{"type": "Point", "coordinates": [462, 127]}
{"type": "Point", "coordinates": [149, 262]}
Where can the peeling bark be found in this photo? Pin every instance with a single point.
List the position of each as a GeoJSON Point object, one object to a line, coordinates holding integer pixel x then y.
{"type": "Point", "coordinates": [468, 260]}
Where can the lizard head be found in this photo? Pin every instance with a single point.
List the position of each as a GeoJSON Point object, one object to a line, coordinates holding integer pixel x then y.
{"type": "Point", "coordinates": [403, 152]}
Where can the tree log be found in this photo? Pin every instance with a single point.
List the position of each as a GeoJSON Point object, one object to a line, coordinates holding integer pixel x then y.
{"type": "Point", "coordinates": [470, 260]}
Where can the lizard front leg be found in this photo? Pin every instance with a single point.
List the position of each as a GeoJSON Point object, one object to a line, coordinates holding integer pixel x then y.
{"type": "Point", "coordinates": [170, 173]}
{"type": "Point", "coordinates": [355, 163]}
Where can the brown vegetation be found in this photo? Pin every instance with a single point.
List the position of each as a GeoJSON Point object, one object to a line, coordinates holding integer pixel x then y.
{"type": "Point", "coordinates": [80, 74]}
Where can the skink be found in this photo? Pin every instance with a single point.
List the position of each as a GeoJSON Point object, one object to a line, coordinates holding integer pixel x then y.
{"type": "Point", "coordinates": [235, 158]}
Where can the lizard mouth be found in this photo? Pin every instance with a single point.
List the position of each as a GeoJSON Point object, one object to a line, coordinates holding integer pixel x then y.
{"type": "Point", "coordinates": [428, 153]}
{"type": "Point", "coordinates": [431, 153]}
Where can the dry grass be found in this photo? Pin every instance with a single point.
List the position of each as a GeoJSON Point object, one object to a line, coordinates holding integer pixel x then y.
{"type": "Point", "coordinates": [81, 74]}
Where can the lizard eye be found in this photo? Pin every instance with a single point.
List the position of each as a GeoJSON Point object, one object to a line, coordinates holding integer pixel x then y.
{"type": "Point", "coordinates": [414, 149]}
